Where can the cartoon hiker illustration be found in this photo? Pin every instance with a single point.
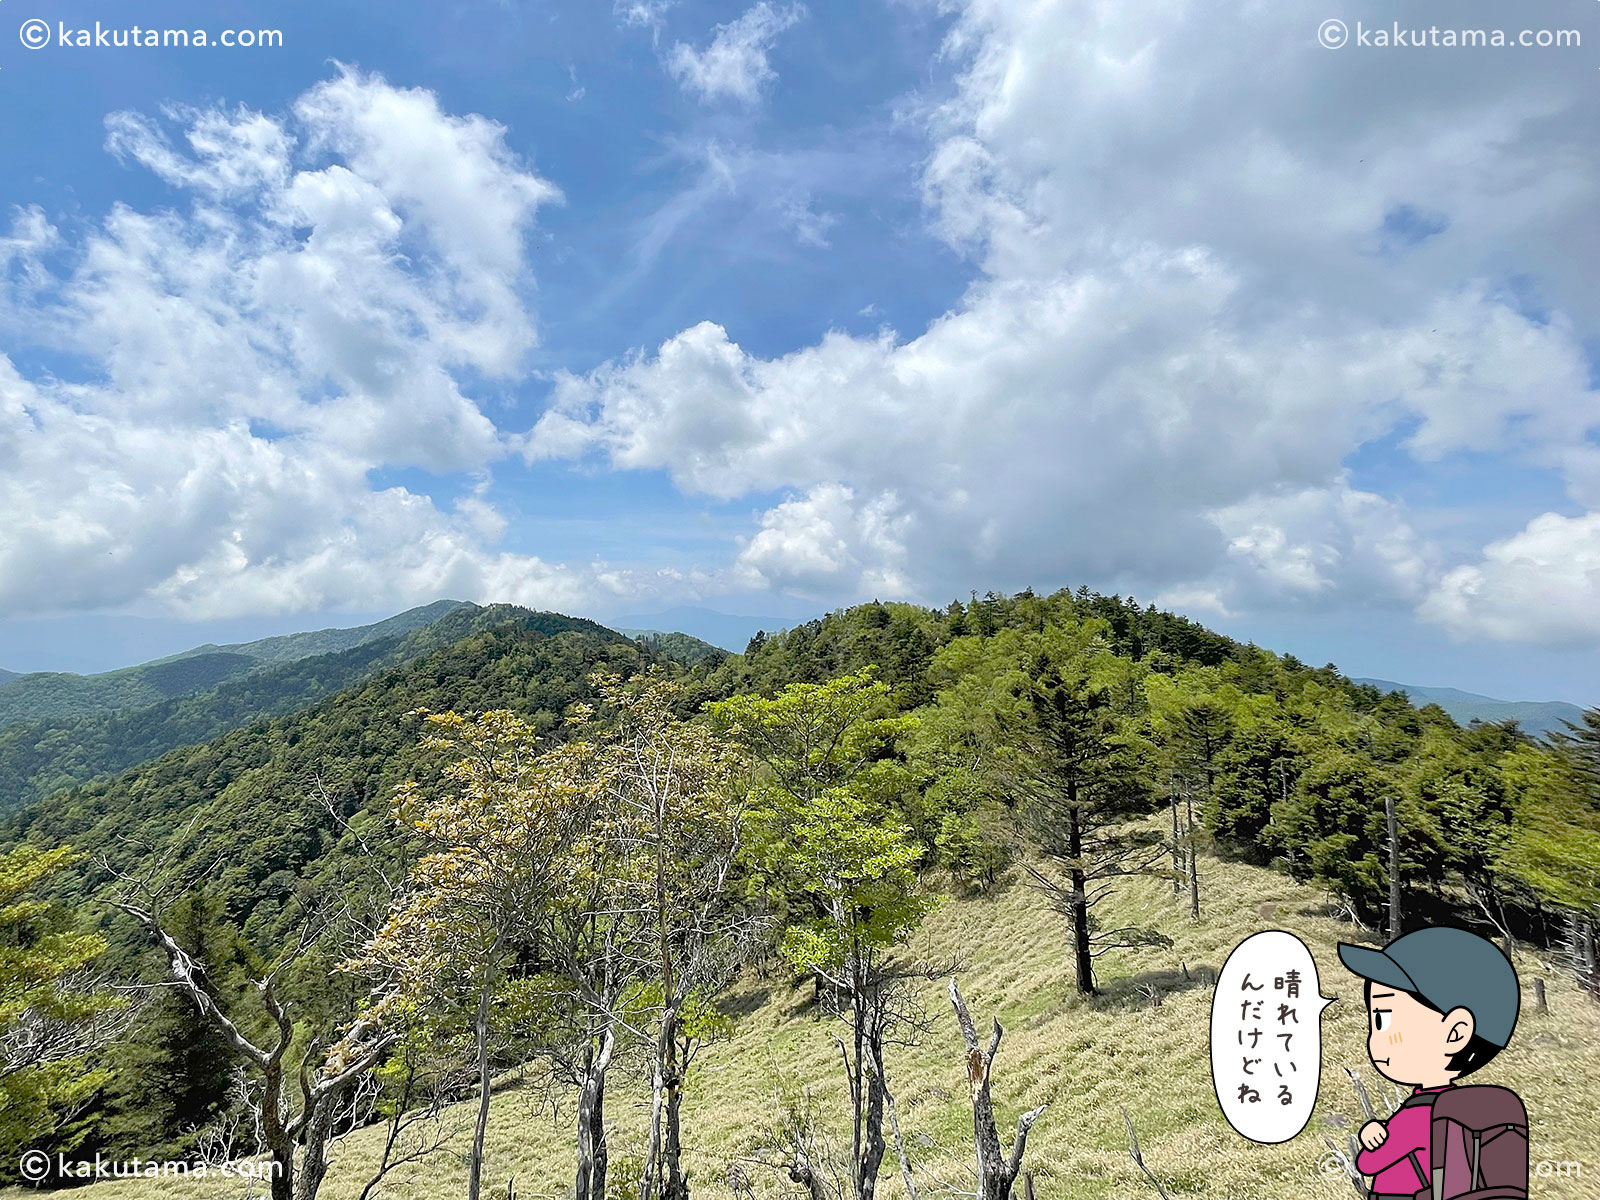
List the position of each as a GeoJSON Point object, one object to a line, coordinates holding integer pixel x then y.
{"type": "Point", "coordinates": [1441, 1003]}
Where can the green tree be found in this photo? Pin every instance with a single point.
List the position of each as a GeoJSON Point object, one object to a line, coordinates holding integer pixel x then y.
{"type": "Point", "coordinates": [844, 865]}
{"type": "Point", "coordinates": [1553, 848]}
{"type": "Point", "coordinates": [175, 1067]}
{"type": "Point", "coordinates": [674, 791]}
{"type": "Point", "coordinates": [1192, 715]}
{"type": "Point", "coordinates": [500, 838]}
{"type": "Point", "coordinates": [53, 1019]}
{"type": "Point", "coordinates": [1040, 719]}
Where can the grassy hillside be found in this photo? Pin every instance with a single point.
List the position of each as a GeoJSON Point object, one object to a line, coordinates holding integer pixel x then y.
{"type": "Point", "coordinates": [1087, 1059]}
{"type": "Point", "coordinates": [1301, 758]}
{"type": "Point", "coordinates": [48, 695]}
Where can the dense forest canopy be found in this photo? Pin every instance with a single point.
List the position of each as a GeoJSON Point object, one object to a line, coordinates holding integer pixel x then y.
{"type": "Point", "coordinates": [1076, 738]}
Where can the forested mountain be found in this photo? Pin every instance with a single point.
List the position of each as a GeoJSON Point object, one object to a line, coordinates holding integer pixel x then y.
{"type": "Point", "coordinates": [1537, 717]}
{"type": "Point", "coordinates": [245, 800]}
{"type": "Point", "coordinates": [47, 695]}
{"type": "Point", "coordinates": [724, 630]}
{"type": "Point", "coordinates": [292, 646]}
{"type": "Point", "coordinates": [679, 647]}
{"type": "Point", "coordinates": [7, 677]}
{"type": "Point", "coordinates": [900, 752]}
{"type": "Point", "coordinates": [41, 757]}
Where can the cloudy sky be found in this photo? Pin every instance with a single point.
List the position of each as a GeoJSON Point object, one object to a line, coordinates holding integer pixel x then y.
{"type": "Point", "coordinates": [772, 307]}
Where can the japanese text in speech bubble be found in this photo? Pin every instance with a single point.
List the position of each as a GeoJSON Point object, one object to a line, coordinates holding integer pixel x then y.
{"type": "Point", "coordinates": [1266, 1037]}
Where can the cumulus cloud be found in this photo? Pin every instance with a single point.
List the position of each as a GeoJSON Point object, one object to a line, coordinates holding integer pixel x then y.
{"type": "Point", "coordinates": [1541, 585]}
{"type": "Point", "coordinates": [340, 281]}
{"type": "Point", "coordinates": [808, 543]}
{"type": "Point", "coordinates": [735, 64]}
{"type": "Point", "coordinates": [1187, 316]}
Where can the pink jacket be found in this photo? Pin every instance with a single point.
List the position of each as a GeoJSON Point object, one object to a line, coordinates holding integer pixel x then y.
{"type": "Point", "coordinates": [1390, 1165]}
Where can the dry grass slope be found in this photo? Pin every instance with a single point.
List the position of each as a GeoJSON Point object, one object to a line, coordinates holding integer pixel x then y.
{"type": "Point", "coordinates": [1088, 1059]}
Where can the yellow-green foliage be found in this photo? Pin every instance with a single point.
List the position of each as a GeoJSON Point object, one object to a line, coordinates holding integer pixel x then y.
{"type": "Point", "coordinates": [43, 1072]}
{"type": "Point", "coordinates": [1087, 1058]}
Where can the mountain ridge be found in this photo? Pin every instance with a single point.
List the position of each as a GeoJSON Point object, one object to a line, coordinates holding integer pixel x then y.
{"type": "Point", "coordinates": [47, 695]}
{"type": "Point", "coordinates": [1537, 717]}
{"type": "Point", "coordinates": [40, 757]}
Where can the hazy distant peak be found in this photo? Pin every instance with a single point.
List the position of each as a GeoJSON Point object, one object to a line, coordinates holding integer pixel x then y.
{"type": "Point", "coordinates": [1537, 717]}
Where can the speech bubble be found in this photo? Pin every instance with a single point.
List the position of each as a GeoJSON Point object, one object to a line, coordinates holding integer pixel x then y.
{"type": "Point", "coordinates": [1266, 1037]}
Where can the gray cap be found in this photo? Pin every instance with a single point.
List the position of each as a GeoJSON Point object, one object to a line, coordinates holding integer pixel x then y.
{"type": "Point", "coordinates": [1449, 968]}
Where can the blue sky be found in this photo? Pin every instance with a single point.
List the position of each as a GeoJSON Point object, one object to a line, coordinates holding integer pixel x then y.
{"type": "Point", "coordinates": [770, 308]}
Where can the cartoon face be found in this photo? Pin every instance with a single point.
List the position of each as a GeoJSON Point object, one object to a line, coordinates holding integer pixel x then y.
{"type": "Point", "coordinates": [1411, 1043]}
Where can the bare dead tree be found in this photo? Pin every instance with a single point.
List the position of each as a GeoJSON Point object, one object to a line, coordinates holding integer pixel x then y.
{"type": "Point", "coordinates": [1392, 822]}
{"type": "Point", "coordinates": [1138, 1156]}
{"type": "Point", "coordinates": [39, 1036]}
{"type": "Point", "coordinates": [900, 1146]}
{"type": "Point", "coordinates": [997, 1171]}
{"type": "Point", "coordinates": [797, 1147]}
{"type": "Point", "coordinates": [299, 1101]}
{"type": "Point", "coordinates": [1362, 1097]}
{"type": "Point", "coordinates": [417, 1122]}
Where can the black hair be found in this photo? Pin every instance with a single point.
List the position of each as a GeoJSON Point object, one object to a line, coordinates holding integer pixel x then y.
{"type": "Point", "coordinates": [1475, 1054]}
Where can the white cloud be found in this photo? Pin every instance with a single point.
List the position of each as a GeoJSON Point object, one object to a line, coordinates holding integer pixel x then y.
{"type": "Point", "coordinates": [1541, 586]}
{"type": "Point", "coordinates": [647, 14]}
{"type": "Point", "coordinates": [1192, 305]}
{"type": "Point", "coordinates": [1187, 318]}
{"type": "Point", "coordinates": [736, 63]}
{"type": "Point", "coordinates": [807, 544]}
{"type": "Point", "coordinates": [235, 371]}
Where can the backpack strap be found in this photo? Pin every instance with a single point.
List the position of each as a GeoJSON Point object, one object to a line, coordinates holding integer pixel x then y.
{"type": "Point", "coordinates": [1416, 1161]}
{"type": "Point", "coordinates": [1419, 1100]}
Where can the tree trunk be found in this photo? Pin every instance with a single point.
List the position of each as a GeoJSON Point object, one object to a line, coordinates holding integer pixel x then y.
{"type": "Point", "coordinates": [900, 1144]}
{"type": "Point", "coordinates": [480, 1032]}
{"type": "Point", "coordinates": [662, 1178]}
{"type": "Point", "coordinates": [592, 1150]}
{"type": "Point", "coordinates": [1194, 859]}
{"type": "Point", "coordinates": [314, 1162]}
{"type": "Point", "coordinates": [283, 1171]}
{"type": "Point", "coordinates": [873, 1143]}
{"type": "Point", "coordinates": [1591, 956]}
{"type": "Point", "coordinates": [1177, 851]}
{"type": "Point", "coordinates": [997, 1172]}
{"type": "Point", "coordinates": [677, 1182]}
{"type": "Point", "coordinates": [1080, 896]}
{"type": "Point", "coordinates": [1395, 917]}
{"type": "Point", "coordinates": [280, 1141]}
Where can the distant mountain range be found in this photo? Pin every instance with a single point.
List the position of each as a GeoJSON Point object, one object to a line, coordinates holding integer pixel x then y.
{"type": "Point", "coordinates": [49, 695]}
{"type": "Point", "coordinates": [720, 629]}
{"type": "Point", "coordinates": [1534, 716]}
